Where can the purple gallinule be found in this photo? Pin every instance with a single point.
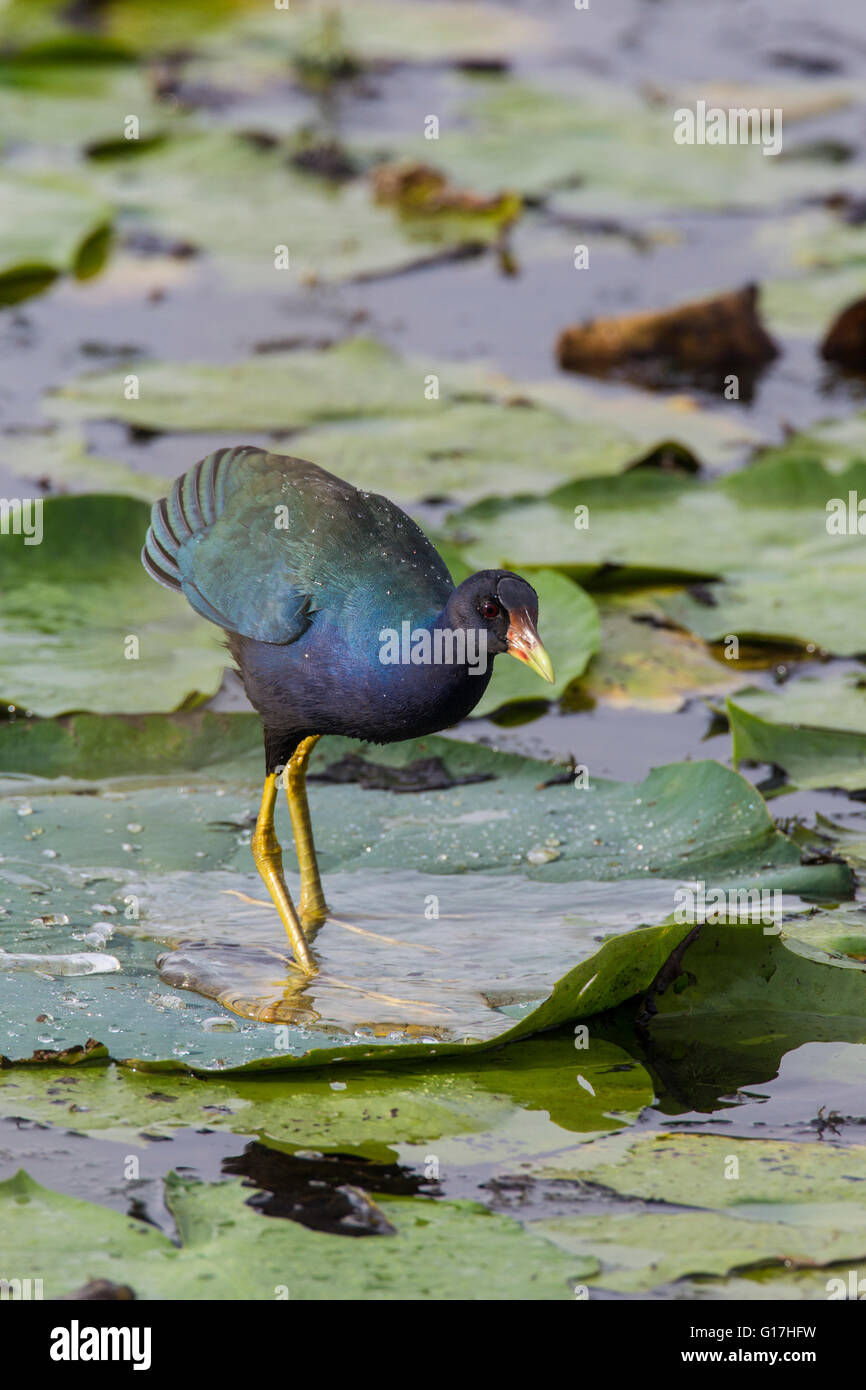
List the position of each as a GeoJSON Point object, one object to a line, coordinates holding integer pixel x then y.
{"type": "Point", "coordinates": [342, 618]}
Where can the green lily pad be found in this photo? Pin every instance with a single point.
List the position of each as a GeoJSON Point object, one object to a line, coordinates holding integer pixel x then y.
{"type": "Point", "coordinates": [70, 104]}
{"type": "Point", "coordinates": [375, 1111]}
{"type": "Point", "coordinates": [361, 411]}
{"type": "Point", "coordinates": [420, 957]}
{"type": "Point", "coordinates": [50, 225]}
{"type": "Point", "coordinates": [823, 258]}
{"type": "Point", "coordinates": [464, 450]}
{"type": "Point", "coordinates": [61, 456]}
{"type": "Point", "coordinates": [229, 1251]}
{"type": "Point", "coordinates": [666, 425]}
{"type": "Point", "coordinates": [72, 605]}
{"type": "Point", "coordinates": [815, 729]}
{"type": "Point", "coordinates": [200, 188]}
{"type": "Point", "coordinates": [762, 530]}
{"type": "Point", "coordinates": [616, 150]}
{"type": "Point", "coordinates": [646, 663]}
{"type": "Point", "coordinates": [690, 1170]}
{"type": "Point", "coordinates": [373, 30]}
{"type": "Point", "coordinates": [384, 30]}
{"type": "Point", "coordinates": [356, 379]}
{"type": "Point", "coordinates": [725, 1203]}
{"type": "Point", "coordinates": [641, 1251]}
{"type": "Point", "coordinates": [753, 994]}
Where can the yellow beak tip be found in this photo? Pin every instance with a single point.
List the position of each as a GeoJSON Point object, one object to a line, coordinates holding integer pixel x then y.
{"type": "Point", "coordinates": [536, 658]}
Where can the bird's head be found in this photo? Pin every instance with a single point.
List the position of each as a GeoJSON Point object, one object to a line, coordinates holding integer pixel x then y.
{"type": "Point", "coordinates": [505, 607]}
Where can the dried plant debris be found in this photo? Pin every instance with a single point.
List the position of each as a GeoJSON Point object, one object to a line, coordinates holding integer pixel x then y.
{"type": "Point", "coordinates": [845, 341]}
{"type": "Point", "coordinates": [420, 191]}
{"type": "Point", "coordinates": [704, 336]}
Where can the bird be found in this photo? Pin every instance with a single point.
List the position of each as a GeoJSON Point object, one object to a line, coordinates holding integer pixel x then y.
{"type": "Point", "coordinates": [318, 585]}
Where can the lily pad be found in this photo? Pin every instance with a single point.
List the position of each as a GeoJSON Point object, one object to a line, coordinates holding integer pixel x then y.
{"type": "Point", "coordinates": [753, 994]}
{"type": "Point", "coordinates": [615, 149]}
{"type": "Point", "coordinates": [416, 961]}
{"type": "Point", "coordinates": [61, 457]}
{"type": "Point", "coordinates": [719, 1204]}
{"type": "Point", "coordinates": [643, 1250]}
{"type": "Point", "coordinates": [375, 1110]}
{"type": "Point", "coordinates": [229, 1251]}
{"type": "Point", "coordinates": [462, 451]}
{"type": "Point", "coordinates": [70, 104]}
{"type": "Point", "coordinates": [108, 639]}
{"type": "Point", "coordinates": [764, 530]}
{"type": "Point", "coordinates": [356, 379]}
{"type": "Point", "coordinates": [50, 225]}
{"type": "Point", "coordinates": [647, 663]}
{"type": "Point", "coordinates": [814, 729]}
{"type": "Point", "coordinates": [200, 188]}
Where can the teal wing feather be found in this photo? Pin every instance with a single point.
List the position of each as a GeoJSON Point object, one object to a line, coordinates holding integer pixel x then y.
{"type": "Point", "coordinates": [259, 542]}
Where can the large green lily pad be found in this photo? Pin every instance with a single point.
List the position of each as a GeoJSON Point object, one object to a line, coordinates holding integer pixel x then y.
{"type": "Point", "coordinates": [640, 1251]}
{"type": "Point", "coordinates": [227, 1250]}
{"type": "Point", "coordinates": [462, 451]}
{"type": "Point", "coordinates": [431, 947]}
{"type": "Point", "coordinates": [74, 606]}
{"type": "Point", "coordinates": [647, 663]}
{"type": "Point", "coordinates": [72, 104]}
{"type": "Point", "coordinates": [61, 457]}
{"type": "Point", "coordinates": [371, 30]}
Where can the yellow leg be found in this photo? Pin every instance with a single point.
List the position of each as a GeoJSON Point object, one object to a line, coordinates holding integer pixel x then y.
{"type": "Point", "coordinates": [313, 907]}
{"type": "Point", "coordinates": [269, 861]}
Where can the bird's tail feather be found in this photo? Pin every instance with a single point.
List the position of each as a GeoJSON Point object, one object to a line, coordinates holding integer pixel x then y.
{"type": "Point", "coordinates": [193, 504]}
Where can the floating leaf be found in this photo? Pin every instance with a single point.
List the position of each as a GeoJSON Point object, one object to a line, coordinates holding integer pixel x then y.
{"type": "Point", "coordinates": [647, 663]}
{"type": "Point", "coordinates": [465, 450]}
{"type": "Point", "coordinates": [229, 1251]}
{"type": "Point", "coordinates": [108, 638]}
{"type": "Point", "coordinates": [781, 1204]}
{"type": "Point", "coordinates": [161, 852]}
{"type": "Point", "coordinates": [61, 458]}
{"type": "Point", "coordinates": [373, 1112]}
{"type": "Point", "coordinates": [359, 378]}
{"type": "Point", "coordinates": [814, 729]}
{"type": "Point", "coordinates": [50, 225]}
{"type": "Point", "coordinates": [606, 149]}
{"type": "Point", "coordinates": [762, 530]}
{"type": "Point", "coordinates": [199, 189]}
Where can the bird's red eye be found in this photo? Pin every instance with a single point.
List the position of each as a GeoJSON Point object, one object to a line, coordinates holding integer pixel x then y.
{"type": "Point", "coordinates": [489, 609]}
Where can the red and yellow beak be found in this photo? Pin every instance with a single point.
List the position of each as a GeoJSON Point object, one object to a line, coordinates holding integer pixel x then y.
{"type": "Point", "coordinates": [524, 643]}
